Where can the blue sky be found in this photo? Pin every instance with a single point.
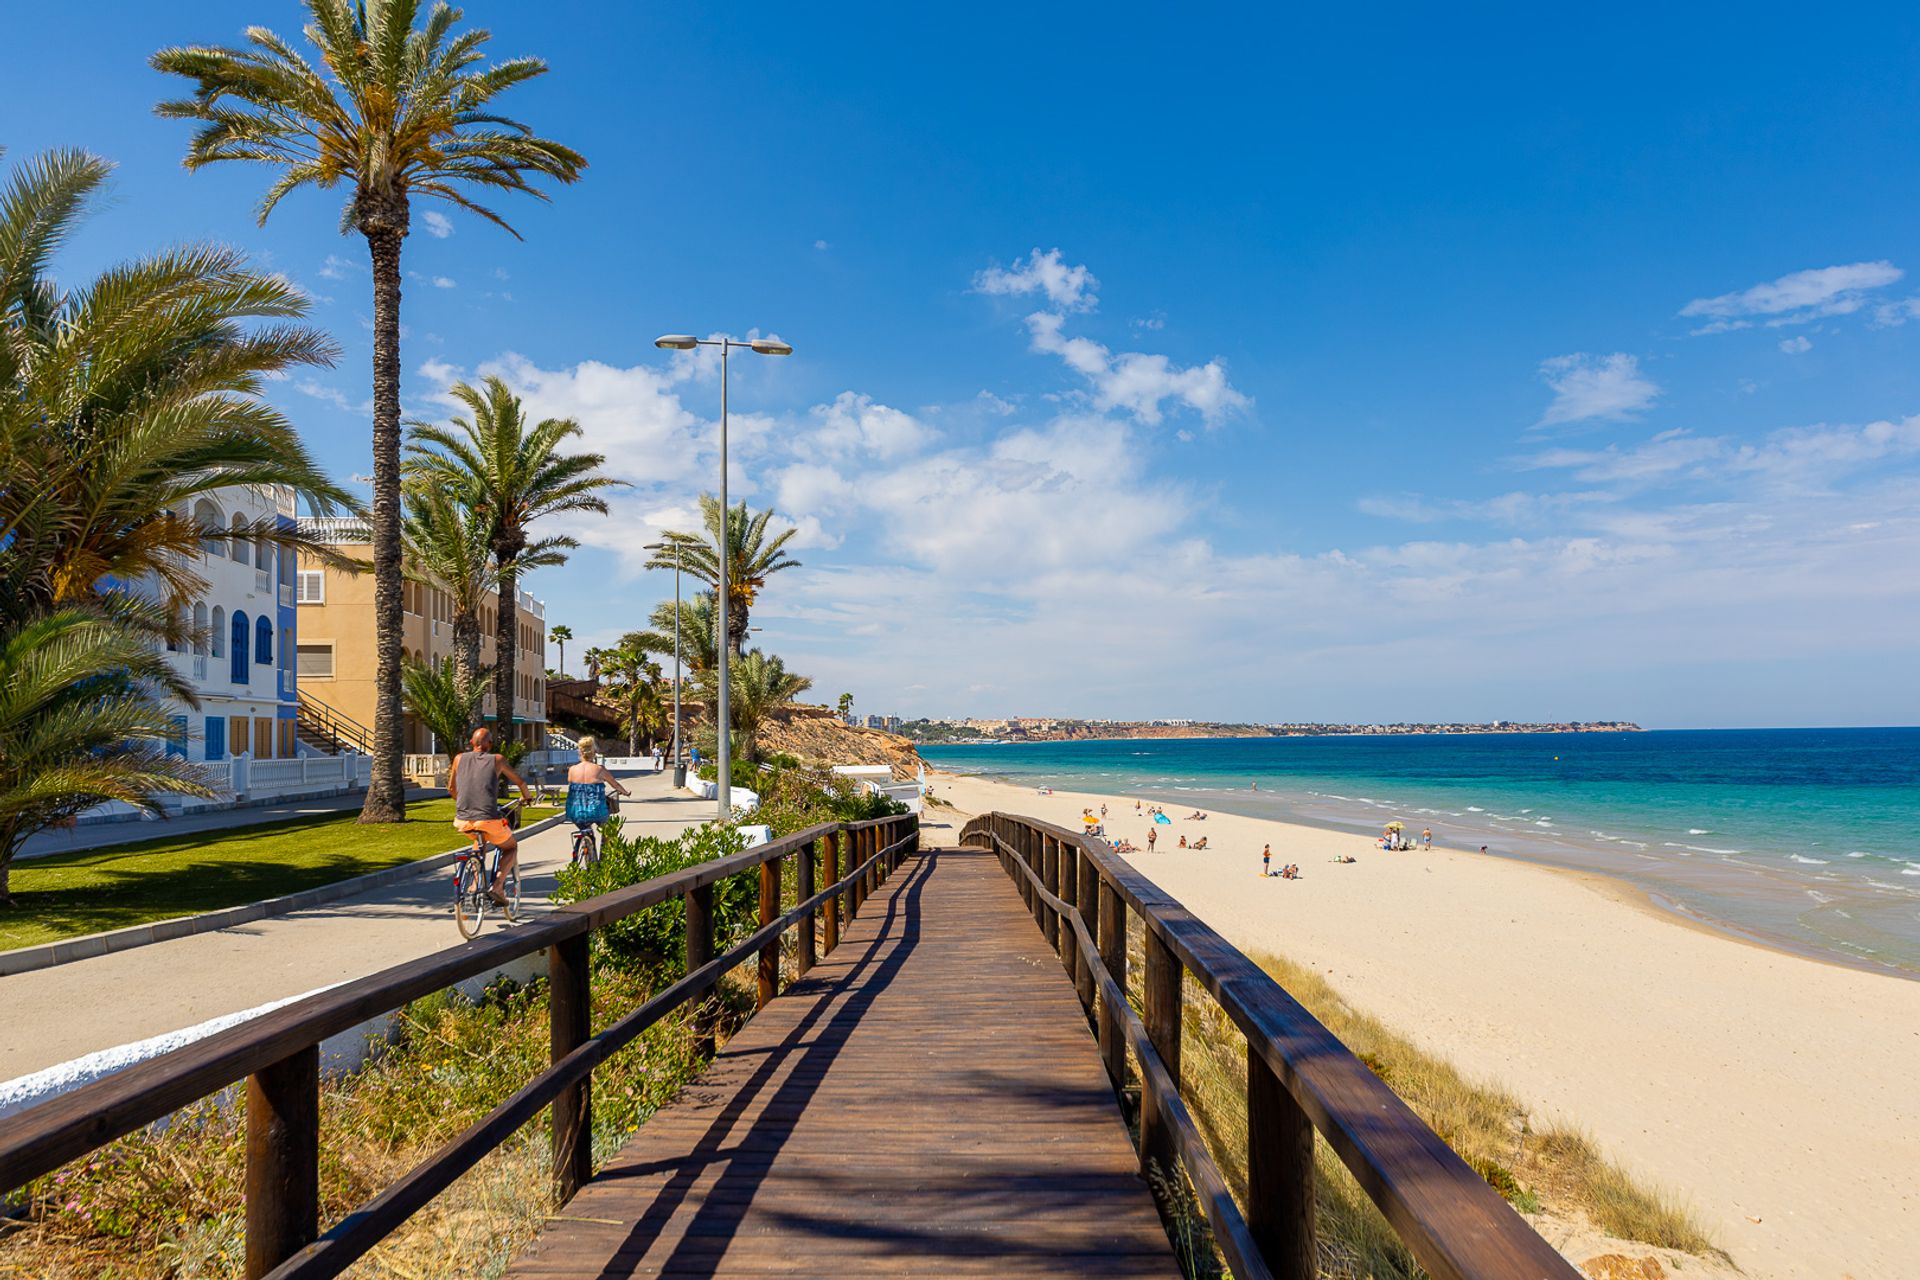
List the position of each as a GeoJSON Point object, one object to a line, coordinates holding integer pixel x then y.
{"type": "Point", "coordinates": [1395, 366]}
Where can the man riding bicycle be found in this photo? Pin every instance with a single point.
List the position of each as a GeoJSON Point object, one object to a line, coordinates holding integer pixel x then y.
{"type": "Point", "coordinates": [587, 784]}
{"type": "Point", "coordinates": [474, 783]}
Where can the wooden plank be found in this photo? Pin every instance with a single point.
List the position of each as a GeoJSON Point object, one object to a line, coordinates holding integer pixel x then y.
{"type": "Point", "coordinates": [925, 1101]}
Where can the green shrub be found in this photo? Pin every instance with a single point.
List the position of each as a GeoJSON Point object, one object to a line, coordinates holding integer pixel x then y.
{"type": "Point", "coordinates": [658, 935]}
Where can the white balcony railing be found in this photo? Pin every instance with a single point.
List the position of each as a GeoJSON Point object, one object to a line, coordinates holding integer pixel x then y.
{"type": "Point", "coordinates": [200, 667]}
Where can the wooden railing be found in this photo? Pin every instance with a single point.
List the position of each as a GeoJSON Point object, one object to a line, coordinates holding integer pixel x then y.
{"type": "Point", "coordinates": [1299, 1078]}
{"type": "Point", "coordinates": [279, 1057]}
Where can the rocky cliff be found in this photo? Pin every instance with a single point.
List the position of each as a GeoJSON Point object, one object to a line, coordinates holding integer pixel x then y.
{"type": "Point", "coordinates": [817, 736]}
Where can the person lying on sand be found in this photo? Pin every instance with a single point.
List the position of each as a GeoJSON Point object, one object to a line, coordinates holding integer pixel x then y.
{"type": "Point", "coordinates": [1290, 872]}
{"type": "Point", "coordinates": [1201, 843]}
{"type": "Point", "coordinates": [1345, 857]}
{"type": "Point", "coordinates": [1196, 816]}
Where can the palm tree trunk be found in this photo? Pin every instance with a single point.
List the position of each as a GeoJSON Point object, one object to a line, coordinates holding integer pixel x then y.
{"type": "Point", "coordinates": [386, 794]}
{"type": "Point", "coordinates": [563, 658]}
{"type": "Point", "coordinates": [506, 631]}
{"type": "Point", "coordinates": [738, 614]}
{"type": "Point", "coordinates": [466, 651]}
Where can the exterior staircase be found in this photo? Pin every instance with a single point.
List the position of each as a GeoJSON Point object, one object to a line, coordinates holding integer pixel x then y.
{"type": "Point", "coordinates": [329, 732]}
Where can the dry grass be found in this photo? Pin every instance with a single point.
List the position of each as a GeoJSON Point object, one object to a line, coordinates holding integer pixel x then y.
{"type": "Point", "coordinates": [166, 1203]}
{"type": "Point", "coordinates": [1553, 1169]}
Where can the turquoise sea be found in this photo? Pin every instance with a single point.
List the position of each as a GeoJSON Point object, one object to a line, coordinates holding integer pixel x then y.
{"type": "Point", "coordinates": [1799, 837]}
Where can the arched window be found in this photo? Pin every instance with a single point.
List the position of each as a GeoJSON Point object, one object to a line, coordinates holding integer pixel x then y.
{"type": "Point", "coordinates": [263, 642]}
{"type": "Point", "coordinates": [242, 670]}
{"type": "Point", "coordinates": [207, 515]}
{"type": "Point", "coordinates": [200, 628]}
{"type": "Point", "coordinates": [240, 544]}
{"type": "Point", "coordinates": [217, 632]}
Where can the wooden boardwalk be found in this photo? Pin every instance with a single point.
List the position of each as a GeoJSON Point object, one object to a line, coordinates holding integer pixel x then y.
{"type": "Point", "coordinates": [928, 1101]}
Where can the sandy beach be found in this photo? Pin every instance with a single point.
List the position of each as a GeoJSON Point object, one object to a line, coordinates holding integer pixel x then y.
{"type": "Point", "coordinates": [1777, 1093]}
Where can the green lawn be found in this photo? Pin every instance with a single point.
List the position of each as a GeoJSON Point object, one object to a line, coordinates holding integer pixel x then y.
{"type": "Point", "coordinates": [68, 894]}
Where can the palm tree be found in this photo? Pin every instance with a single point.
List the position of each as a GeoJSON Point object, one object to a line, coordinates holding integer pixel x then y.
{"type": "Point", "coordinates": [124, 399]}
{"type": "Point", "coordinates": [698, 631]}
{"type": "Point", "coordinates": [512, 475]}
{"type": "Point", "coordinates": [633, 685]}
{"type": "Point", "coordinates": [439, 699]}
{"type": "Point", "coordinates": [79, 725]}
{"type": "Point", "coordinates": [396, 107]}
{"type": "Point", "coordinates": [559, 636]}
{"type": "Point", "coordinates": [761, 684]}
{"type": "Point", "coordinates": [593, 659]}
{"type": "Point", "coordinates": [752, 558]}
{"type": "Point", "coordinates": [448, 549]}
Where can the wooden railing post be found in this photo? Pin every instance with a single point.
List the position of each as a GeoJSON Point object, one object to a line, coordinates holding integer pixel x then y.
{"type": "Point", "coordinates": [1050, 876]}
{"type": "Point", "coordinates": [1068, 857]}
{"type": "Point", "coordinates": [769, 912]}
{"type": "Point", "coordinates": [832, 906]}
{"type": "Point", "coordinates": [1086, 907]}
{"type": "Point", "coordinates": [1161, 1017]}
{"type": "Point", "coordinates": [283, 1160]}
{"type": "Point", "coordinates": [1030, 854]}
{"type": "Point", "coordinates": [803, 889]}
{"type": "Point", "coordinates": [569, 1023]}
{"type": "Point", "coordinates": [1279, 1174]}
{"type": "Point", "coordinates": [1113, 953]}
{"type": "Point", "coordinates": [700, 952]}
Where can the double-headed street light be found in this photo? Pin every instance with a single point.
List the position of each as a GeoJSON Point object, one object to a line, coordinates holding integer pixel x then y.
{"type": "Point", "coordinates": [723, 772]}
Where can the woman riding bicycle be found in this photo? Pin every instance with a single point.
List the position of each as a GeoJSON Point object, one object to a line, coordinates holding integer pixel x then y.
{"type": "Point", "coordinates": [587, 784]}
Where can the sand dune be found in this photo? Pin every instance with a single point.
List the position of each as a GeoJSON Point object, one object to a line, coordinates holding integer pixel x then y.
{"type": "Point", "coordinates": [1778, 1093]}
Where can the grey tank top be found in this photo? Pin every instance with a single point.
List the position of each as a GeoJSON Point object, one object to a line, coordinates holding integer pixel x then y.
{"type": "Point", "coordinates": [476, 781]}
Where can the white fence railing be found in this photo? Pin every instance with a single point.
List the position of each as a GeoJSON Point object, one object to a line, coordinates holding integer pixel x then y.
{"type": "Point", "coordinates": [252, 779]}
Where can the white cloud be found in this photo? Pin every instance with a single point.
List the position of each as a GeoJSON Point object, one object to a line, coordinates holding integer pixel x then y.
{"type": "Point", "coordinates": [1796, 346]}
{"type": "Point", "coordinates": [1136, 381]}
{"type": "Point", "coordinates": [443, 282]}
{"type": "Point", "coordinates": [1587, 386]}
{"type": "Point", "coordinates": [821, 245]}
{"type": "Point", "coordinates": [336, 267]}
{"type": "Point", "coordinates": [994, 404]}
{"type": "Point", "coordinates": [332, 395]}
{"type": "Point", "coordinates": [1795, 298]}
{"type": "Point", "coordinates": [859, 424]}
{"type": "Point", "coordinates": [439, 225]}
{"type": "Point", "coordinates": [1068, 288]}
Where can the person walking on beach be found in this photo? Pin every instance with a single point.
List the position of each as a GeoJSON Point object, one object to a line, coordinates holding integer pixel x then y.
{"type": "Point", "coordinates": [1266, 860]}
{"type": "Point", "coordinates": [1483, 848]}
{"type": "Point", "coordinates": [1426, 839]}
{"type": "Point", "coordinates": [1153, 835]}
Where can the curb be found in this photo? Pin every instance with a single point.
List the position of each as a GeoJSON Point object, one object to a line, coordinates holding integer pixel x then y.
{"type": "Point", "coordinates": [85, 947]}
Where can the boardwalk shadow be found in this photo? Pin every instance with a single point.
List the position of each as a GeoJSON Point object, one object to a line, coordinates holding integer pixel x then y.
{"type": "Point", "coordinates": [804, 1054]}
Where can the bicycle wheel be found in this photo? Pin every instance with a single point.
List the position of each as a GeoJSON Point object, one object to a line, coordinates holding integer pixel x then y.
{"type": "Point", "coordinates": [470, 896]}
{"type": "Point", "coordinates": [582, 846]}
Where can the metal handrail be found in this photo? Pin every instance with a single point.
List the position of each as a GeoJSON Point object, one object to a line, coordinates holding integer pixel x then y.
{"type": "Point", "coordinates": [1300, 1074]}
{"type": "Point", "coordinates": [339, 726]}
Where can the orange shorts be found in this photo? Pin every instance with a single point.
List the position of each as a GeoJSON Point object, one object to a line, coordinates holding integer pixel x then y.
{"type": "Point", "coordinates": [495, 830]}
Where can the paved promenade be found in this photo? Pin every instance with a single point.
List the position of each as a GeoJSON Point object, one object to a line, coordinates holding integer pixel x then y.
{"type": "Point", "coordinates": [73, 1009]}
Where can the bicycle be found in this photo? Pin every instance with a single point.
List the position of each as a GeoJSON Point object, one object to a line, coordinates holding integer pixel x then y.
{"type": "Point", "coordinates": [473, 871]}
{"type": "Point", "coordinates": [586, 845]}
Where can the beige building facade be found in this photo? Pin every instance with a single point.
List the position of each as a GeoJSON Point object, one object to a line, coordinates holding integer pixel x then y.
{"type": "Point", "coordinates": [335, 652]}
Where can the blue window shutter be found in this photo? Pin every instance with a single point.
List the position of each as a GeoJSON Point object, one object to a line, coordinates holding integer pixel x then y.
{"type": "Point", "coordinates": [216, 737]}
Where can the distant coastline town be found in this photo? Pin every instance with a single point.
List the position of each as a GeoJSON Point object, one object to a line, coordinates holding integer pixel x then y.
{"type": "Point", "coordinates": [1049, 729]}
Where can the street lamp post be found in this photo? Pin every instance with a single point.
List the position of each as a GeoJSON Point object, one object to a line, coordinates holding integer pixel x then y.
{"type": "Point", "coordinates": [661, 546]}
{"type": "Point", "coordinates": [723, 725]}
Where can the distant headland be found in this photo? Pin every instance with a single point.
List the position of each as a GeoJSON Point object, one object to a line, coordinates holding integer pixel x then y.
{"type": "Point", "coordinates": [1047, 729]}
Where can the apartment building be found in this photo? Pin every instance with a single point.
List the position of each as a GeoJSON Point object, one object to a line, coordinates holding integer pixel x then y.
{"type": "Point", "coordinates": [336, 660]}
{"type": "Point", "coordinates": [240, 659]}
